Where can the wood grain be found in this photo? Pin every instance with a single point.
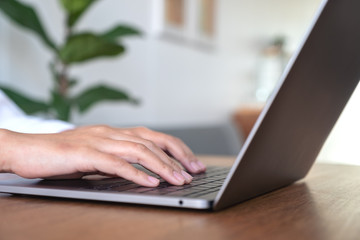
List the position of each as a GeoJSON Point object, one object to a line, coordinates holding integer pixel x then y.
{"type": "Point", "coordinates": [325, 205]}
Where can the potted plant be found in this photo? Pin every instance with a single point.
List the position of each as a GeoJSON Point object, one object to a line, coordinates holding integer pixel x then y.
{"type": "Point", "coordinates": [78, 47]}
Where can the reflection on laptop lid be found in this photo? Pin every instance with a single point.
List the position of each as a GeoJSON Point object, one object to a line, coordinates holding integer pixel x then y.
{"type": "Point", "coordinates": [284, 142]}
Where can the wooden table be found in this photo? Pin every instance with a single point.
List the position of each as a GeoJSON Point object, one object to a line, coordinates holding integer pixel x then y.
{"type": "Point", "coordinates": [325, 205]}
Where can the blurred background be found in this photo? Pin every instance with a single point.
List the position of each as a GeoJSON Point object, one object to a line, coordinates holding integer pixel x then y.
{"type": "Point", "coordinates": [199, 69]}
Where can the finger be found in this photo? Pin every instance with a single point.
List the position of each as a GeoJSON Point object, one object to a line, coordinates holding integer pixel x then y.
{"type": "Point", "coordinates": [182, 153]}
{"type": "Point", "coordinates": [112, 165]}
{"type": "Point", "coordinates": [125, 135]}
{"type": "Point", "coordinates": [156, 150]}
{"type": "Point", "coordinates": [177, 148]}
{"type": "Point", "coordinates": [134, 152]}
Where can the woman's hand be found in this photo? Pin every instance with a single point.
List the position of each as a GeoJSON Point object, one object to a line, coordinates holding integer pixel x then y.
{"type": "Point", "coordinates": [98, 150]}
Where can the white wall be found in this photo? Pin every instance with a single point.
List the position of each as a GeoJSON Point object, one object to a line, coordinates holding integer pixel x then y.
{"type": "Point", "coordinates": [178, 84]}
{"type": "Point", "coordinates": [342, 146]}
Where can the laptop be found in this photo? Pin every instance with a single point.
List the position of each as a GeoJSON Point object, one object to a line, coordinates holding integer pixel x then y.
{"type": "Point", "coordinates": [283, 144]}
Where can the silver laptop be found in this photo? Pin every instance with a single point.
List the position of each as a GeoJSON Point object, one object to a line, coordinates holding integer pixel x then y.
{"type": "Point", "coordinates": [284, 142]}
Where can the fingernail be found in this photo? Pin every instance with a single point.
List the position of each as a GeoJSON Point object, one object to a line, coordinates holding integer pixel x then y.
{"type": "Point", "coordinates": [201, 165]}
{"type": "Point", "coordinates": [153, 180]}
{"type": "Point", "coordinates": [179, 177]}
{"type": "Point", "coordinates": [187, 176]}
{"type": "Point", "coordinates": [194, 166]}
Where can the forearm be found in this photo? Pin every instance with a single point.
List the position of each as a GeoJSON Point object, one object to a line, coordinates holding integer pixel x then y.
{"type": "Point", "coordinates": [5, 150]}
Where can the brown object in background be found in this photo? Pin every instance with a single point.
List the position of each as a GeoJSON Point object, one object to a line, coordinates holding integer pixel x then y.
{"type": "Point", "coordinates": [174, 12]}
{"type": "Point", "coordinates": [245, 118]}
{"type": "Point", "coordinates": [207, 17]}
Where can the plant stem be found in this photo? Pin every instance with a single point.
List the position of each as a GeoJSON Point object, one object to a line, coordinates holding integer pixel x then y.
{"type": "Point", "coordinates": [63, 75]}
{"type": "Point", "coordinates": [63, 81]}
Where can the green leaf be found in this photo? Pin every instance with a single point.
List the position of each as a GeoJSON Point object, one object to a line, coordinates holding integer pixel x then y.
{"type": "Point", "coordinates": [99, 93]}
{"type": "Point", "coordinates": [62, 106]}
{"type": "Point", "coordinates": [26, 16]}
{"type": "Point", "coordinates": [86, 46]}
{"type": "Point", "coordinates": [73, 82]}
{"type": "Point", "coordinates": [75, 9]}
{"type": "Point", "coordinates": [120, 31]}
{"type": "Point", "coordinates": [28, 105]}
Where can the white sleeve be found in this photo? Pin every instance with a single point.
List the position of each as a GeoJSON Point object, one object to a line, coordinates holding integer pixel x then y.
{"type": "Point", "coordinates": [12, 118]}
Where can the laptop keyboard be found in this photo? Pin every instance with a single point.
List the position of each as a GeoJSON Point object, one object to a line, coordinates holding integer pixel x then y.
{"type": "Point", "coordinates": [202, 184]}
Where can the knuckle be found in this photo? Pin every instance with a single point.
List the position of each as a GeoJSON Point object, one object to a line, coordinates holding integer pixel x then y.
{"type": "Point", "coordinates": [127, 131]}
{"type": "Point", "coordinates": [150, 144]}
{"type": "Point", "coordinates": [118, 164]}
{"type": "Point", "coordinates": [100, 128]}
{"type": "Point", "coordinates": [142, 129]}
{"type": "Point", "coordinates": [174, 164]}
{"type": "Point", "coordinates": [139, 147]}
{"type": "Point", "coordinates": [170, 138]}
{"type": "Point", "coordinates": [166, 168]}
{"type": "Point", "coordinates": [175, 139]}
{"type": "Point", "coordinates": [135, 174]}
